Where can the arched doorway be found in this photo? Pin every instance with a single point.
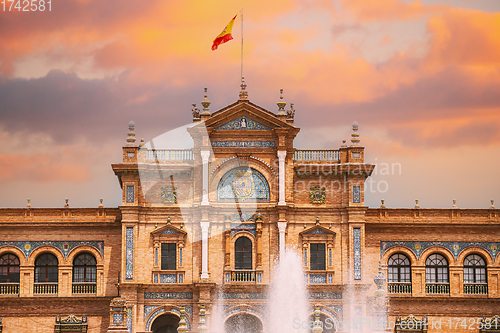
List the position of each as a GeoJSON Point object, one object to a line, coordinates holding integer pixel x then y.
{"type": "Point", "coordinates": [167, 323]}
{"type": "Point", "coordinates": [328, 323]}
{"type": "Point", "coordinates": [243, 323]}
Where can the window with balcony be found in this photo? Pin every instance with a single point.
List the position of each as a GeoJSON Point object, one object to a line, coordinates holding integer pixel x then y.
{"type": "Point", "coordinates": [317, 256]}
{"type": "Point", "coordinates": [9, 274]}
{"type": "Point", "coordinates": [399, 274]}
{"type": "Point", "coordinates": [168, 256]}
{"type": "Point", "coordinates": [475, 275]}
{"type": "Point", "coordinates": [437, 275]}
{"type": "Point", "coordinates": [46, 274]}
{"type": "Point", "coordinates": [84, 274]}
{"type": "Point", "coordinates": [243, 253]}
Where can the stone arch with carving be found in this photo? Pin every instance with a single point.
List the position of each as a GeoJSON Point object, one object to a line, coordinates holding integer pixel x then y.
{"type": "Point", "coordinates": [399, 249]}
{"type": "Point", "coordinates": [234, 162]}
{"type": "Point", "coordinates": [165, 309]}
{"type": "Point", "coordinates": [47, 249]}
{"type": "Point", "coordinates": [245, 309]}
{"type": "Point", "coordinates": [475, 250]}
{"type": "Point", "coordinates": [23, 261]}
{"type": "Point", "coordinates": [253, 239]}
{"type": "Point", "coordinates": [99, 267]}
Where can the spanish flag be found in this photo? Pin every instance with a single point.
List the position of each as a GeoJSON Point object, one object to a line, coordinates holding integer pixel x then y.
{"type": "Point", "coordinates": [225, 36]}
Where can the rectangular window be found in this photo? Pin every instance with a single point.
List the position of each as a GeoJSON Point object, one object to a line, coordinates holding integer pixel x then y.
{"type": "Point", "coordinates": [168, 256]}
{"type": "Point", "coordinates": [130, 194]}
{"type": "Point", "coordinates": [356, 194]}
{"type": "Point", "coordinates": [317, 257]}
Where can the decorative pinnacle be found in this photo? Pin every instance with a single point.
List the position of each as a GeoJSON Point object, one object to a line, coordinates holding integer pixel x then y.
{"type": "Point", "coordinates": [317, 220]}
{"type": "Point", "coordinates": [382, 203]}
{"type": "Point", "coordinates": [100, 202]}
{"type": "Point", "coordinates": [355, 135]}
{"type": "Point", "coordinates": [343, 144]}
{"type": "Point", "coordinates": [29, 205]}
{"type": "Point", "coordinates": [416, 203]}
{"type": "Point", "coordinates": [131, 134]}
{"type": "Point", "coordinates": [454, 203]}
{"type": "Point", "coordinates": [142, 143]}
{"type": "Point", "coordinates": [168, 220]}
{"type": "Point", "coordinates": [243, 92]}
{"type": "Point", "coordinates": [281, 104]}
{"type": "Point", "coordinates": [491, 207]}
{"type": "Point", "coordinates": [67, 202]}
{"type": "Point", "coordinates": [205, 103]}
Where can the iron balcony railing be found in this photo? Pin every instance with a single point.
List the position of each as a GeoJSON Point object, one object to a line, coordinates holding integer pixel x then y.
{"type": "Point", "coordinates": [475, 288]}
{"type": "Point", "coordinates": [9, 288]}
{"type": "Point", "coordinates": [45, 289]}
{"type": "Point", "coordinates": [399, 288]}
{"type": "Point", "coordinates": [328, 155]}
{"type": "Point", "coordinates": [169, 155]}
{"type": "Point", "coordinates": [437, 288]}
{"type": "Point", "coordinates": [84, 288]}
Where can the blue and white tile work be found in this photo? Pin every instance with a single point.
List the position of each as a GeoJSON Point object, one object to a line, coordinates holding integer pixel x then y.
{"type": "Point", "coordinates": [172, 295]}
{"type": "Point", "coordinates": [356, 194]}
{"type": "Point", "coordinates": [117, 318]}
{"type": "Point", "coordinates": [243, 144]}
{"type": "Point", "coordinates": [129, 254]}
{"type": "Point", "coordinates": [251, 228]}
{"type": "Point", "coordinates": [243, 123]}
{"type": "Point", "coordinates": [241, 184]}
{"type": "Point", "coordinates": [325, 296]}
{"type": "Point", "coordinates": [242, 296]}
{"type": "Point", "coordinates": [455, 247]}
{"type": "Point", "coordinates": [317, 278]}
{"type": "Point", "coordinates": [65, 246]}
{"type": "Point", "coordinates": [129, 319]}
{"type": "Point", "coordinates": [130, 194]}
{"type": "Point", "coordinates": [148, 309]}
{"type": "Point", "coordinates": [356, 240]}
{"type": "Point", "coordinates": [155, 314]}
{"type": "Point", "coordinates": [168, 278]}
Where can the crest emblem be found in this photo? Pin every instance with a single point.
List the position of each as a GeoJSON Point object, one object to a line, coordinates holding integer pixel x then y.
{"type": "Point", "coordinates": [317, 194]}
{"type": "Point", "coordinates": [168, 194]}
{"type": "Point", "coordinates": [243, 186]}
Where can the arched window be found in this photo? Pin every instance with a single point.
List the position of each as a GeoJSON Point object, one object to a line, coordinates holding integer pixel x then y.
{"type": "Point", "coordinates": [399, 268]}
{"type": "Point", "coordinates": [436, 269]}
{"type": "Point", "coordinates": [84, 268]}
{"type": "Point", "coordinates": [46, 269]}
{"type": "Point", "coordinates": [243, 253]}
{"type": "Point", "coordinates": [9, 268]}
{"type": "Point", "coordinates": [474, 269]}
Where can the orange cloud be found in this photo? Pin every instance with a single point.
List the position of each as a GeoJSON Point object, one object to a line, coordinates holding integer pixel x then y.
{"type": "Point", "coordinates": [40, 168]}
{"type": "Point", "coordinates": [383, 10]}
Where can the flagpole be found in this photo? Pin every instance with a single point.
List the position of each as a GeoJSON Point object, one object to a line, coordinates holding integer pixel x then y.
{"type": "Point", "coordinates": [242, 44]}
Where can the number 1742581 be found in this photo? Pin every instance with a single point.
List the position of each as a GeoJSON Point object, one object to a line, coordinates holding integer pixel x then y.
{"type": "Point", "coordinates": [26, 5]}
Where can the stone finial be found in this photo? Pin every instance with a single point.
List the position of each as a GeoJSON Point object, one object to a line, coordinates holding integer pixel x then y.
{"type": "Point", "coordinates": [29, 204]}
{"type": "Point", "coordinates": [382, 205]}
{"type": "Point", "coordinates": [195, 111]}
{"type": "Point", "coordinates": [416, 203]}
{"type": "Point", "coordinates": [206, 103]}
{"type": "Point", "coordinates": [243, 91]}
{"type": "Point", "coordinates": [343, 144]}
{"type": "Point", "coordinates": [317, 220]}
{"type": "Point", "coordinates": [142, 143]}
{"type": "Point", "coordinates": [131, 134]}
{"type": "Point", "coordinates": [182, 225]}
{"type": "Point", "coordinates": [355, 135]}
{"type": "Point", "coordinates": [168, 220]}
{"type": "Point", "coordinates": [454, 203]}
{"type": "Point", "coordinates": [281, 104]}
{"type": "Point", "coordinates": [290, 114]}
{"type": "Point", "coordinates": [67, 203]}
{"type": "Point", "coordinates": [305, 226]}
{"type": "Point", "coordinates": [100, 203]}
{"type": "Point", "coordinates": [492, 204]}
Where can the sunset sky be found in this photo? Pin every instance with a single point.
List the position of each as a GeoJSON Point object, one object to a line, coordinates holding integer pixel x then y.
{"type": "Point", "coordinates": [421, 78]}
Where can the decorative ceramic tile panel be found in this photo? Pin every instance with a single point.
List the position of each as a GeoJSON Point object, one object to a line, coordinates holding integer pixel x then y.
{"type": "Point", "coordinates": [325, 296]}
{"type": "Point", "coordinates": [243, 123]}
{"type": "Point", "coordinates": [129, 254]}
{"type": "Point", "coordinates": [156, 256]}
{"type": "Point", "coordinates": [317, 278]}
{"type": "Point", "coordinates": [181, 278]}
{"type": "Point", "coordinates": [241, 184]}
{"type": "Point", "coordinates": [455, 247]}
{"type": "Point", "coordinates": [356, 194]}
{"type": "Point", "coordinates": [189, 310]}
{"type": "Point", "coordinates": [148, 309]}
{"type": "Point", "coordinates": [155, 278]}
{"type": "Point", "coordinates": [155, 314]}
{"type": "Point", "coordinates": [180, 256]}
{"type": "Point", "coordinates": [130, 194]}
{"type": "Point", "coordinates": [330, 278]}
{"type": "Point", "coordinates": [117, 318]}
{"type": "Point", "coordinates": [243, 144]}
{"type": "Point", "coordinates": [129, 319]}
{"type": "Point", "coordinates": [305, 257]}
{"type": "Point", "coordinates": [27, 247]}
{"type": "Point", "coordinates": [242, 217]}
{"type": "Point", "coordinates": [317, 232]}
{"type": "Point", "coordinates": [169, 231]}
{"type": "Point", "coordinates": [337, 309]}
{"type": "Point", "coordinates": [259, 277]}
{"type": "Point", "coordinates": [168, 194]}
{"type": "Point", "coordinates": [242, 296]}
{"type": "Point", "coordinates": [356, 235]}
{"type": "Point", "coordinates": [173, 295]}
{"type": "Point", "coordinates": [330, 261]}
{"type": "Point", "coordinates": [317, 194]}
{"type": "Point", "coordinates": [168, 278]}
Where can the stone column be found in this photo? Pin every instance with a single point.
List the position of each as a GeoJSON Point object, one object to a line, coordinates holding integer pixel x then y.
{"type": "Point", "coordinates": [204, 250]}
{"type": "Point", "coordinates": [205, 154]}
{"type": "Point", "coordinates": [281, 157]}
{"type": "Point", "coordinates": [282, 229]}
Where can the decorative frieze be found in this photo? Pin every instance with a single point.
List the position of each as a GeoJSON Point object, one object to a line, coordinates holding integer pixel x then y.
{"type": "Point", "coordinates": [129, 253]}
{"type": "Point", "coordinates": [455, 247]}
{"type": "Point", "coordinates": [27, 247]}
{"type": "Point", "coordinates": [356, 235]}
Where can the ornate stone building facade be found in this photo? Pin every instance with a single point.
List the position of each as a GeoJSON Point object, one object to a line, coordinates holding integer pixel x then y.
{"type": "Point", "coordinates": [199, 232]}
